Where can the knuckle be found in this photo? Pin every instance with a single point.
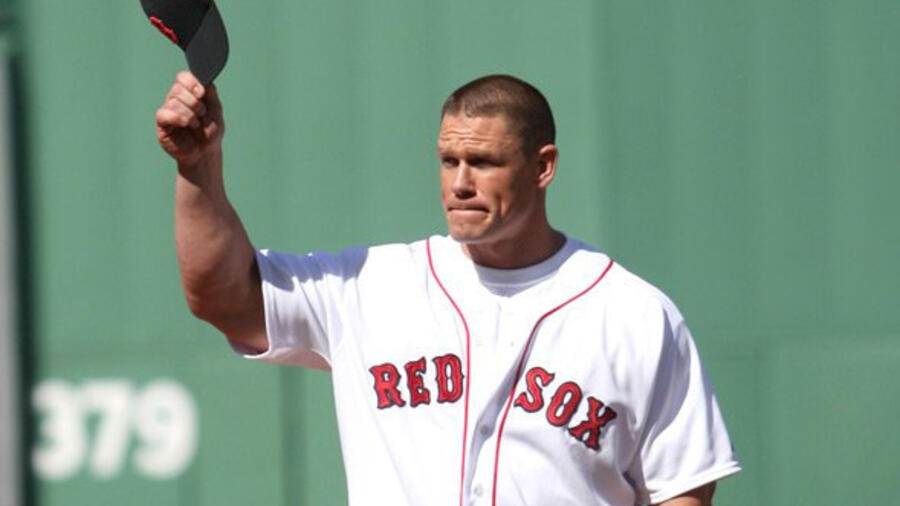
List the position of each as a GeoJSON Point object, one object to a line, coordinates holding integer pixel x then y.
{"type": "Point", "coordinates": [179, 106]}
{"type": "Point", "coordinates": [170, 105]}
{"type": "Point", "coordinates": [188, 98]}
{"type": "Point", "coordinates": [185, 97]}
{"type": "Point", "coordinates": [172, 92]}
{"type": "Point", "coordinates": [172, 102]}
{"type": "Point", "coordinates": [162, 115]}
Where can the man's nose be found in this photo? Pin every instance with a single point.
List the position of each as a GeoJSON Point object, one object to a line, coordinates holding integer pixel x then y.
{"type": "Point", "coordinates": [463, 185]}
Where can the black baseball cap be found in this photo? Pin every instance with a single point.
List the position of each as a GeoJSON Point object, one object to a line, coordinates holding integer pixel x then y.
{"type": "Point", "coordinates": [197, 28]}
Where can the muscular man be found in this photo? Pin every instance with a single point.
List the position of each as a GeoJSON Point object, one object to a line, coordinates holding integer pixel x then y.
{"type": "Point", "coordinates": [506, 363]}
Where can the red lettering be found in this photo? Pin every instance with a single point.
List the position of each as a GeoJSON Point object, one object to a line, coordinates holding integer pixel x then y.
{"type": "Point", "coordinates": [386, 379]}
{"type": "Point", "coordinates": [449, 378]}
{"type": "Point", "coordinates": [594, 424]}
{"type": "Point", "coordinates": [418, 394]}
{"type": "Point", "coordinates": [533, 399]}
{"type": "Point", "coordinates": [567, 396]}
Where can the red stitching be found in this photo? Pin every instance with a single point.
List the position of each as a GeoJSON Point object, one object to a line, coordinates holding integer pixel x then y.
{"type": "Point", "coordinates": [462, 472]}
{"type": "Point", "coordinates": [512, 391]}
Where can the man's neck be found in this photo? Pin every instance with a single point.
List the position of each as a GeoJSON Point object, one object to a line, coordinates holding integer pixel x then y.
{"type": "Point", "coordinates": [517, 252]}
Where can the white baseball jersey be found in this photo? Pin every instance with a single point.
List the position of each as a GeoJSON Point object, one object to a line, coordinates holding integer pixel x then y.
{"type": "Point", "coordinates": [571, 382]}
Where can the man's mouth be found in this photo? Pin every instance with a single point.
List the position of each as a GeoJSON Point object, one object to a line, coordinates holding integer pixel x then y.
{"type": "Point", "coordinates": [467, 213]}
{"type": "Point", "coordinates": [453, 208]}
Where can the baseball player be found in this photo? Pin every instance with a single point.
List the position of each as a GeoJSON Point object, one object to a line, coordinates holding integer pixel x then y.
{"type": "Point", "coordinates": [505, 364]}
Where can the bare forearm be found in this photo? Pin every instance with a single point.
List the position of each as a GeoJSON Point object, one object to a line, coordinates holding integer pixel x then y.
{"type": "Point", "coordinates": [218, 269]}
{"type": "Point", "coordinates": [215, 255]}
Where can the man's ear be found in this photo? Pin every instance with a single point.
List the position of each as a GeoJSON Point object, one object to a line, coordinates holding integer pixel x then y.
{"type": "Point", "coordinates": [547, 157]}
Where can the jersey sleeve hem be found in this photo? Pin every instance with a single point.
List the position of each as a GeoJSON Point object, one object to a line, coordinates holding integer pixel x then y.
{"type": "Point", "coordinates": [277, 351]}
{"type": "Point", "coordinates": [300, 357]}
{"type": "Point", "coordinates": [686, 485]}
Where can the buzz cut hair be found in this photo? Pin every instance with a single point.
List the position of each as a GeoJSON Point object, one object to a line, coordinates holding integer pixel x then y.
{"type": "Point", "coordinates": [524, 107]}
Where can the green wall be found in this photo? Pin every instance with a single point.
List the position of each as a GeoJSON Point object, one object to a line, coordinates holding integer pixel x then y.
{"type": "Point", "coordinates": [742, 155]}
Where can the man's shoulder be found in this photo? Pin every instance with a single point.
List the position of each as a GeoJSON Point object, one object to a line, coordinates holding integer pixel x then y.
{"type": "Point", "coordinates": [619, 285]}
{"type": "Point", "coordinates": [358, 257]}
{"type": "Point", "coordinates": [391, 258]}
{"type": "Point", "coordinates": [397, 252]}
{"type": "Point", "coordinates": [397, 248]}
{"type": "Point", "coordinates": [347, 261]}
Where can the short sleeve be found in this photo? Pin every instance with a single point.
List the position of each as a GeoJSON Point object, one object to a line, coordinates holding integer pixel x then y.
{"type": "Point", "coordinates": [684, 442]}
{"type": "Point", "coordinates": [302, 300]}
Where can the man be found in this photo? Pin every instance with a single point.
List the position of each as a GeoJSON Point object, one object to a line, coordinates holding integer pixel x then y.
{"type": "Point", "coordinates": [505, 364]}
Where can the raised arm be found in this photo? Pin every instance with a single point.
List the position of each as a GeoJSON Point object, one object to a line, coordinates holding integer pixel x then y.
{"type": "Point", "coordinates": [215, 256]}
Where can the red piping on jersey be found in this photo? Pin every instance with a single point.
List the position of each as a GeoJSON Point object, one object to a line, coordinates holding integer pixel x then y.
{"type": "Point", "coordinates": [512, 391]}
{"type": "Point", "coordinates": [462, 471]}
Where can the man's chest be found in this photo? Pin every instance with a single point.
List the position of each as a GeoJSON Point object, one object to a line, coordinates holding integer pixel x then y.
{"type": "Point", "coordinates": [562, 375]}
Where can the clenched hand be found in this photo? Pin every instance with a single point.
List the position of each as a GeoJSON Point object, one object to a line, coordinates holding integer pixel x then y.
{"type": "Point", "coordinates": [190, 124]}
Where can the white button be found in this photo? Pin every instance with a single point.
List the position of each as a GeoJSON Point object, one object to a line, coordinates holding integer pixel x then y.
{"type": "Point", "coordinates": [478, 490]}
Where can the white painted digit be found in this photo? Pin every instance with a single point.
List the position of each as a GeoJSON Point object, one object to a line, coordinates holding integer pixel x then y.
{"type": "Point", "coordinates": [62, 442]}
{"type": "Point", "coordinates": [162, 416]}
{"type": "Point", "coordinates": [165, 424]}
{"type": "Point", "coordinates": [111, 400]}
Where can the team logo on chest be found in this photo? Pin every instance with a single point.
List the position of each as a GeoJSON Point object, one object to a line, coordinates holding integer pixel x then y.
{"type": "Point", "coordinates": [448, 382]}
{"type": "Point", "coordinates": [389, 384]}
{"type": "Point", "coordinates": [562, 407]}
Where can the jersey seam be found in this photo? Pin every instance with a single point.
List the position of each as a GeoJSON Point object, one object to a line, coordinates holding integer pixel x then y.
{"type": "Point", "coordinates": [468, 371]}
{"type": "Point", "coordinates": [524, 359]}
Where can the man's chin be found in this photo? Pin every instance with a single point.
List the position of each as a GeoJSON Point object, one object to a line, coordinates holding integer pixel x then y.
{"type": "Point", "coordinates": [467, 236]}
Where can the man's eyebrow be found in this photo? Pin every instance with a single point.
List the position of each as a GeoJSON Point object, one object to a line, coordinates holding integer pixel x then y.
{"type": "Point", "coordinates": [466, 151]}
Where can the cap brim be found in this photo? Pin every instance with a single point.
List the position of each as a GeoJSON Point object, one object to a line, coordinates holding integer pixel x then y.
{"type": "Point", "coordinates": [208, 50]}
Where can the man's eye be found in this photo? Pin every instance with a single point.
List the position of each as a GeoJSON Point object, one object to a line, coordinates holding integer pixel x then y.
{"type": "Point", "coordinates": [449, 162]}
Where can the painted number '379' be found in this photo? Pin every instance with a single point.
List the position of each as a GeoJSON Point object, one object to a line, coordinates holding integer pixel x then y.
{"type": "Point", "coordinates": [156, 424]}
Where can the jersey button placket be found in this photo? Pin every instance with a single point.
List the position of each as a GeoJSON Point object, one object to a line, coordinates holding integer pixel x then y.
{"type": "Point", "coordinates": [479, 326]}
